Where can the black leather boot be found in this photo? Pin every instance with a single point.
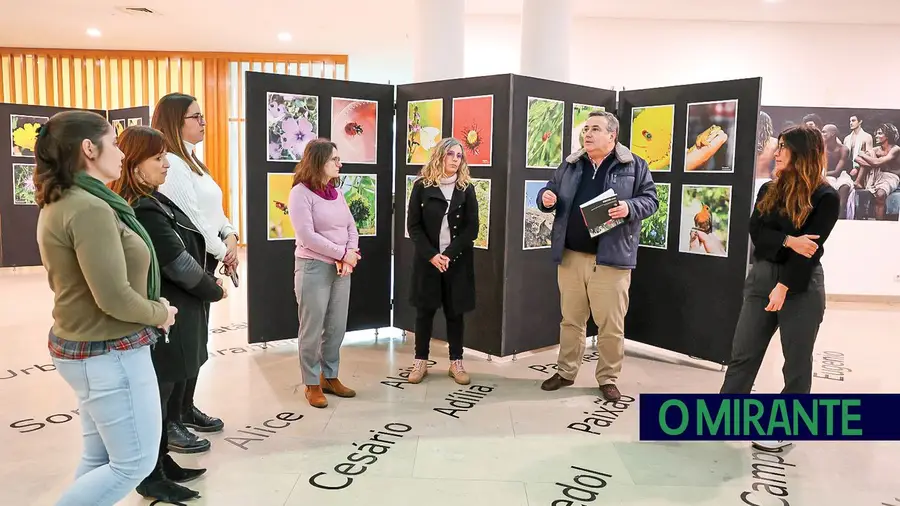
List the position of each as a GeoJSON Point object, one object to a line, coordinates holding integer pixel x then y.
{"type": "Point", "coordinates": [200, 421]}
{"type": "Point", "coordinates": [177, 473]}
{"type": "Point", "coordinates": [157, 486]}
{"type": "Point", "coordinates": [182, 440]}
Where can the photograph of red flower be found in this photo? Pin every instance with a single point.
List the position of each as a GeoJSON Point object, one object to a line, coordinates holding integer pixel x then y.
{"type": "Point", "coordinates": [473, 126]}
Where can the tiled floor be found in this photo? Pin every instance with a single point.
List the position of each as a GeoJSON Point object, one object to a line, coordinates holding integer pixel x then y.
{"type": "Point", "coordinates": [512, 448]}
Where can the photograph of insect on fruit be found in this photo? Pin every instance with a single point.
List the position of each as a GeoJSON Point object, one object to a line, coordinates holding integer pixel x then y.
{"type": "Point", "coordinates": [711, 136]}
{"type": "Point", "coordinates": [705, 220]}
{"type": "Point", "coordinates": [354, 128]}
{"type": "Point", "coordinates": [544, 133]}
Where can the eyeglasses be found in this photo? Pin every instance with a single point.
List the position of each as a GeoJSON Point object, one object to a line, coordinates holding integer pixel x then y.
{"type": "Point", "coordinates": [199, 117]}
{"type": "Point", "coordinates": [336, 160]}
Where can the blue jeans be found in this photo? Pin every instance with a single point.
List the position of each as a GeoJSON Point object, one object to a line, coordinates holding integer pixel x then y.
{"type": "Point", "coordinates": [121, 421]}
{"type": "Point", "coordinates": [323, 300]}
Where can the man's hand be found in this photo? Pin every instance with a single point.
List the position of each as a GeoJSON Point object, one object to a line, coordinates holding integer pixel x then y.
{"type": "Point", "coordinates": [620, 211]}
{"type": "Point", "coordinates": [548, 199]}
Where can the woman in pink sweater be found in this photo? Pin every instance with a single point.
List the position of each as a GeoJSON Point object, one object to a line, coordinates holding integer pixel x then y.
{"type": "Point", "coordinates": [327, 252]}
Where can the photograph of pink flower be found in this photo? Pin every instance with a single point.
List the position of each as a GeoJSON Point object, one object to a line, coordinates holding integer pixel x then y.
{"type": "Point", "coordinates": [354, 128]}
{"type": "Point", "coordinates": [23, 184]}
{"type": "Point", "coordinates": [293, 121]}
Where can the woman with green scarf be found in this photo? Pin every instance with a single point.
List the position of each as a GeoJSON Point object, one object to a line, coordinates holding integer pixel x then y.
{"type": "Point", "coordinates": [107, 311]}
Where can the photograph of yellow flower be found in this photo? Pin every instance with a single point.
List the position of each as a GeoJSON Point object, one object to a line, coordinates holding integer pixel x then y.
{"type": "Point", "coordinates": [23, 132]}
{"type": "Point", "coordinates": [119, 125]}
{"type": "Point", "coordinates": [279, 188]}
{"type": "Point", "coordinates": [23, 184]}
{"type": "Point", "coordinates": [652, 131]}
{"type": "Point", "coordinates": [424, 121]}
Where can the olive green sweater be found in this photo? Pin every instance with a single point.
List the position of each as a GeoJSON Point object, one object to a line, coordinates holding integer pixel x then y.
{"type": "Point", "coordinates": [97, 268]}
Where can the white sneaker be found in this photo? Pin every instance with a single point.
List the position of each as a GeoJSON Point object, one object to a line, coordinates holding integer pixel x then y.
{"type": "Point", "coordinates": [419, 371]}
{"type": "Point", "coordinates": [771, 445]}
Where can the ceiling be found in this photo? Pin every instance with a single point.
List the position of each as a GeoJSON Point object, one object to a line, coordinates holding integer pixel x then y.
{"type": "Point", "coordinates": [345, 26]}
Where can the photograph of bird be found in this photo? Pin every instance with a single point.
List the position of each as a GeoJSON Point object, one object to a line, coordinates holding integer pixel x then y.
{"type": "Point", "coordinates": [703, 220]}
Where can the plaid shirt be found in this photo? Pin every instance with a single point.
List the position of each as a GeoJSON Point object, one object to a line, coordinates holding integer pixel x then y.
{"type": "Point", "coordinates": [81, 350]}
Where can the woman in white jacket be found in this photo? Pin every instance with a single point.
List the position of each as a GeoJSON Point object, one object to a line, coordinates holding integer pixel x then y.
{"type": "Point", "coordinates": [190, 186]}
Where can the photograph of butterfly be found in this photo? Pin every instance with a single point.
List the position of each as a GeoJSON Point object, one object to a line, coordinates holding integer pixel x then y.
{"type": "Point", "coordinates": [279, 187]}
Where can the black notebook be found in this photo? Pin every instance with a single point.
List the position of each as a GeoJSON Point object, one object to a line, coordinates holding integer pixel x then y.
{"type": "Point", "coordinates": [596, 213]}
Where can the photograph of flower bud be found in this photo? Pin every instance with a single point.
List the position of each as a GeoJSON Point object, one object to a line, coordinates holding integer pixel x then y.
{"type": "Point", "coordinates": [544, 133]}
{"type": "Point", "coordinates": [360, 191]}
{"type": "Point", "coordinates": [23, 132]}
{"type": "Point", "coordinates": [293, 121]}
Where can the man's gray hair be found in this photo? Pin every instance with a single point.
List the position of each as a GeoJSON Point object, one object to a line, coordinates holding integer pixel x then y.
{"type": "Point", "coordinates": [612, 123]}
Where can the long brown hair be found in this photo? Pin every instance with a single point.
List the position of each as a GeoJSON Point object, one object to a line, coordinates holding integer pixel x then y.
{"type": "Point", "coordinates": [168, 118]}
{"type": "Point", "coordinates": [58, 155]}
{"type": "Point", "coordinates": [791, 192]}
{"type": "Point", "coordinates": [139, 143]}
{"type": "Point", "coordinates": [433, 171]}
{"type": "Point", "coordinates": [310, 170]}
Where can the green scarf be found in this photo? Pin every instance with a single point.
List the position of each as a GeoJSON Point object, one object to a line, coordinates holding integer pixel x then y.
{"type": "Point", "coordinates": [126, 214]}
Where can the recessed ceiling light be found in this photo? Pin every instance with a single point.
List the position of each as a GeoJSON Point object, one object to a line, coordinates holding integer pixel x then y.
{"type": "Point", "coordinates": [284, 36]}
{"type": "Point", "coordinates": [93, 32]}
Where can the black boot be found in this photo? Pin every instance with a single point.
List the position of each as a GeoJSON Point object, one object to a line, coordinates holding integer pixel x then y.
{"type": "Point", "coordinates": [200, 421]}
{"type": "Point", "coordinates": [158, 487]}
{"type": "Point", "coordinates": [182, 440]}
{"type": "Point", "coordinates": [177, 473]}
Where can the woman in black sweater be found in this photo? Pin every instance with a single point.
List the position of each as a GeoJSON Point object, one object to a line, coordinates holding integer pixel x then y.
{"type": "Point", "coordinates": [793, 217]}
{"type": "Point", "coordinates": [442, 219]}
{"type": "Point", "coordinates": [185, 281]}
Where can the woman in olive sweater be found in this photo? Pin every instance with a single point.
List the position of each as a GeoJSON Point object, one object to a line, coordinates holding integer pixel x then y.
{"type": "Point", "coordinates": [182, 255]}
{"type": "Point", "coordinates": [107, 310]}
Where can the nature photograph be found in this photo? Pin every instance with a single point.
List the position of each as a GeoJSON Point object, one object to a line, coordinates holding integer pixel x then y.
{"type": "Point", "coordinates": [23, 184]}
{"type": "Point", "coordinates": [410, 179]}
{"type": "Point", "coordinates": [705, 220]}
{"type": "Point", "coordinates": [119, 126]}
{"type": "Point", "coordinates": [544, 133]}
{"type": "Point", "coordinates": [360, 191]}
{"type": "Point", "coordinates": [537, 225]}
{"type": "Point", "coordinates": [580, 113]}
{"type": "Point", "coordinates": [135, 121]}
{"type": "Point", "coordinates": [483, 195]}
{"type": "Point", "coordinates": [424, 127]}
{"type": "Point", "coordinates": [711, 140]}
{"type": "Point", "coordinates": [23, 131]}
{"type": "Point", "coordinates": [655, 228]}
{"type": "Point", "coordinates": [278, 190]}
{"type": "Point", "coordinates": [473, 126]}
{"type": "Point", "coordinates": [652, 132]}
{"type": "Point", "coordinates": [354, 128]}
{"type": "Point", "coordinates": [292, 121]}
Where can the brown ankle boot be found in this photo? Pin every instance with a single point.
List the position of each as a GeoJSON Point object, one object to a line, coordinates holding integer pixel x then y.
{"type": "Point", "coordinates": [315, 396]}
{"type": "Point", "coordinates": [335, 387]}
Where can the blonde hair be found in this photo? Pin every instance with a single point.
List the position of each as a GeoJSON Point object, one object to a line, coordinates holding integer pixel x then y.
{"type": "Point", "coordinates": [433, 171]}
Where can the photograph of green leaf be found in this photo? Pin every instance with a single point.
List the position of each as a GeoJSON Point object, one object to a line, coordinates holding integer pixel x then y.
{"type": "Point", "coordinates": [655, 229]}
{"type": "Point", "coordinates": [544, 133]}
{"type": "Point", "coordinates": [705, 220]}
{"type": "Point", "coordinates": [410, 179]}
{"type": "Point", "coordinates": [483, 195]}
{"type": "Point", "coordinates": [360, 192]}
{"type": "Point", "coordinates": [23, 184]}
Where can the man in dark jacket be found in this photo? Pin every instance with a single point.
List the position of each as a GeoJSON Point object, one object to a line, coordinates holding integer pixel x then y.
{"type": "Point", "coordinates": [594, 273]}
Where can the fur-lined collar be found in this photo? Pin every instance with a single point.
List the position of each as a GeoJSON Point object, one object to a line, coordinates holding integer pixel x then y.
{"type": "Point", "coordinates": [623, 154]}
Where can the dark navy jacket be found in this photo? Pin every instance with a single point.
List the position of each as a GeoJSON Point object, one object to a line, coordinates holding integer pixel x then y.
{"type": "Point", "coordinates": [630, 178]}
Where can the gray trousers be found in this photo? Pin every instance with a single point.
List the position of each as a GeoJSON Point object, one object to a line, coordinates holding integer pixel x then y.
{"type": "Point", "coordinates": [798, 321]}
{"type": "Point", "coordinates": [323, 300]}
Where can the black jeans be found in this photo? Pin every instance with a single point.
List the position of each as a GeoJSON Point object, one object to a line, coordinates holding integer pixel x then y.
{"type": "Point", "coordinates": [180, 400]}
{"type": "Point", "coordinates": [165, 396]}
{"type": "Point", "coordinates": [798, 320]}
{"type": "Point", "coordinates": [424, 326]}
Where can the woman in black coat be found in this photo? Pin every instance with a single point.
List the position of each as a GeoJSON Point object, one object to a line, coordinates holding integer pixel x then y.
{"type": "Point", "coordinates": [442, 221]}
{"type": "Point", "coordinates": [186, 284]}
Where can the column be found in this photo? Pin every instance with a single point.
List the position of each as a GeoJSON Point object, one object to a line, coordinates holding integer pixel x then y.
{"type": "Point", "coordinates": [546, 32]}
{"type": "Point", "coordinates": [439, 40]}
